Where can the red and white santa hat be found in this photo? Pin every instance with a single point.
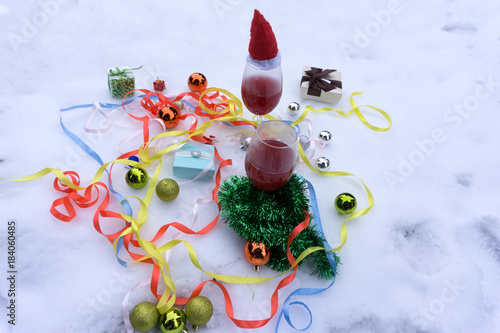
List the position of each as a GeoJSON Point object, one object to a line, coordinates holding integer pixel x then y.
{"type": "Point", "coordinates": [263, 48]}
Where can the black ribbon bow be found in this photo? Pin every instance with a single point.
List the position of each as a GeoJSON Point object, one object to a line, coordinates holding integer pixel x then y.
{"type": "Point", "coordinates": [317, 81]}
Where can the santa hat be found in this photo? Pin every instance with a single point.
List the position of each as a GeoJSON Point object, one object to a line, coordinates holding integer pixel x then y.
{"type": "Point", "coordinates": [263, 48]}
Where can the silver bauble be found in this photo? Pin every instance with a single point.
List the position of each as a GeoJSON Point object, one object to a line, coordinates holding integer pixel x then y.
{"type": "Point", "coordinates": [293, 108]}
{"type": "Point", "coordinates": [325, 136]}
{"type": "Point", "coordinates": [323, 164]}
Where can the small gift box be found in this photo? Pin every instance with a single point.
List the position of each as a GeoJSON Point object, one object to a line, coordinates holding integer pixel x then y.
{"type": "Point", "coordinates": [321, 85]}
{"type": "Point", "coordinates": [121, 80]}
{"type": "Point", "coordinates": [190, 160]}
{"type": "Point", "coordinates": [159, 85]}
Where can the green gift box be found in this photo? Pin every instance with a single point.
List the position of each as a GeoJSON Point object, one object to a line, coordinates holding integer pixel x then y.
{"type": "Point", "coordinates": [191, 159]}
{"type": "Point", "coordinates": [121, 81]}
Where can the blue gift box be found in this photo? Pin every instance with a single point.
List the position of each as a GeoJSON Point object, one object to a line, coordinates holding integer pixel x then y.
{"type": "Point", "coordinates": [191, 159]}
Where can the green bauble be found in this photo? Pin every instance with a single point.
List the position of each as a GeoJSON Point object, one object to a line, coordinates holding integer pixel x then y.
{"type": "Point", "coordinates": [167, 189]}
{"type": "Point", "coordinates": [137, 178]}
{"type": "Point", "coordinates": [173, 321]}
{"type": "Point", "coordinates": [199, 311]}
{"type": "Point", "coordinates": [144, 317]}
{"type": "Point", "coordinates": [345, 203]}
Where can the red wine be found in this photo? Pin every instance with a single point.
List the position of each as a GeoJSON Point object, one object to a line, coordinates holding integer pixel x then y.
{"type": "Point", "coordinates": [261, 94]}
{"type": "Point", "coordinates": [269, 164]}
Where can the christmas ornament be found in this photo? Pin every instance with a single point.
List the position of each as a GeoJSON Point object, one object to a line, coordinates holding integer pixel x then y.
{"type": "Point", "coordinates": [325, 136]}
{"type": "Point", "coordinates": [144, 317]}
{"type": "Point", "coordinates": [304, 142]}
{"type": "Point", "coordinates": [345, 203]}
{"type": "Point", "coordinates": [137, 177]}
{"type": "Point", "coordinates": [199, 310]}
{"type": "Point", "coordinates": [257, 254]}
{"type": "Point", "coordinates": [271, 217]}
{"type": "Point", "coordinates": [179, 105]}
{"type": "Point", "coordinates": [167, 189]}
{"type": "Point", "coordinates": [197, 82]}
{"type": "Point", "coordinates": [170, 116]}
{"type": "Point", "coordinates": [323, 164]}
{"type": "Point", "coordinates": [293, 108]}
{"type": "Point", "coordinates": [159, 85]}
{"type": "Point", "coordinates": [132, 158]}
{"type": "Point", "coordinates": [245, 142]}
{"type": "Point", "coordinates": [173, 321]}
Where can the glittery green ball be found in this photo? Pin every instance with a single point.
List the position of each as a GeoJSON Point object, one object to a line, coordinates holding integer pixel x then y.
{"type": "Point", "coordinates": [167, 189]}
{"type": "Point", "coordinates": [144, 317]}
{"type": "Point", "coordinates": [173, 321]}
{"type": "Point", "coordinates": [199, 310]}
{"type": "Point", "coordinates": [137, 178]}
{"type": "Point", "coordinates": [345, 203]}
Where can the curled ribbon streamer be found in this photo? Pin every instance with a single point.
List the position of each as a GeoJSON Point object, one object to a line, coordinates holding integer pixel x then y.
{"type": "Point", "coordinates": [96, 157]}
{"type": "Point", "coordinates": [355, 109]}
{"type": "Point", "coordinates": [308, 291]}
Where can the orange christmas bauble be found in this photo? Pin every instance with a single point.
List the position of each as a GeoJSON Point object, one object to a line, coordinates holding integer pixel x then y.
{"type": "Point", "coordinates": [257, 253]}
{"type": "Point", "coordinates": [170, 116]}
{"type": "Point", "coordinates": [197, 82]}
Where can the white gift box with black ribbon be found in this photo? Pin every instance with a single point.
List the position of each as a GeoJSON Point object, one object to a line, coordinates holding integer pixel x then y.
{"type": "Point", "coordinates": [321, 85]}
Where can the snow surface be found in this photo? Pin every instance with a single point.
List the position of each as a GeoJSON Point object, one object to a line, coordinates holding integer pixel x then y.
{"type": "Point", "coordinates": [425, 259]}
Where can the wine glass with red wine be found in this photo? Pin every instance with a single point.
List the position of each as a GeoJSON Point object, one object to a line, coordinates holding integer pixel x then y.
{"type": "Point", "coordinates": [271, 155]}
{"type": "Point", "coordinates": [261, 88]}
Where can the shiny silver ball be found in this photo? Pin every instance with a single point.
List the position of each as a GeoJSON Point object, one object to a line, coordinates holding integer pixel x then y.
{"type": "Point", "coordinates": [325, 136]}
{"type": "Point", "coordinates": [245, 142]}
{"type": "Point", "coordinates": [304, 142]}
{"type": "Point", "coordinates": [323, 164]}
{"type": "Point", "coordinates": [179, 105]}
{"type": "Point", "coordinates": [293, 108]}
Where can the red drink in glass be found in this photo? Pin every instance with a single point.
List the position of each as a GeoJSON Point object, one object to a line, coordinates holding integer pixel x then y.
{"type": "Point", "coordinates": [261, 94]}
{"type": "Point", "coordinates": [271, 155]}
{"type": "Point", "coordinates": [269, 168]}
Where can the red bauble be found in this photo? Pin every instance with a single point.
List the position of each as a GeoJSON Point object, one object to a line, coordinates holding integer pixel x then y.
{"type": "Point", "coordinates": [197, 82]}
{"type": "Point", "coordinates": [257, 253]}
{"type": "Point", "coordinates": [170, 116]}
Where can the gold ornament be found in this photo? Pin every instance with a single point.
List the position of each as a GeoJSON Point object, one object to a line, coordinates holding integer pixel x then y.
{"type": "Point", "coordinates": [136, 178]}
{"type": "Point", "coordinates": [167, 189]}
{"type": "Point", "coordinates": [144, 317]}
{"type": "Point", "coordinates": [179, 105]}
{"type": "Point", "coordinates": [173, 321]}
{"type": "Point", "coordinates": [199, 310]}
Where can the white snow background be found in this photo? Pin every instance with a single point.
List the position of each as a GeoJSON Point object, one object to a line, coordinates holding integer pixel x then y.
{"type": "Point", "coordinates": [426, 258]}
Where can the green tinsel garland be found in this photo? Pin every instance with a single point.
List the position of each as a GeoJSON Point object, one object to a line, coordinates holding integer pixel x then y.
{"type": "Point", "coordinates": [270, 217]}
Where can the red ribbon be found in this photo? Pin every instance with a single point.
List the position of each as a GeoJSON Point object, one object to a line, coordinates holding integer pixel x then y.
{"type": "Point", "coordinates": [73, 198]}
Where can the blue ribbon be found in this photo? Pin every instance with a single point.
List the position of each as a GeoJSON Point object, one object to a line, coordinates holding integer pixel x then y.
{"type": "Point", "coordinates": [96, 157]}
{"type": "Point", "coordinates": [308, 291]}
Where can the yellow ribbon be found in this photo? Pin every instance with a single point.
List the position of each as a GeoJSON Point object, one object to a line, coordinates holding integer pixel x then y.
{"type": "Point", "coordinates": [355, 109]}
